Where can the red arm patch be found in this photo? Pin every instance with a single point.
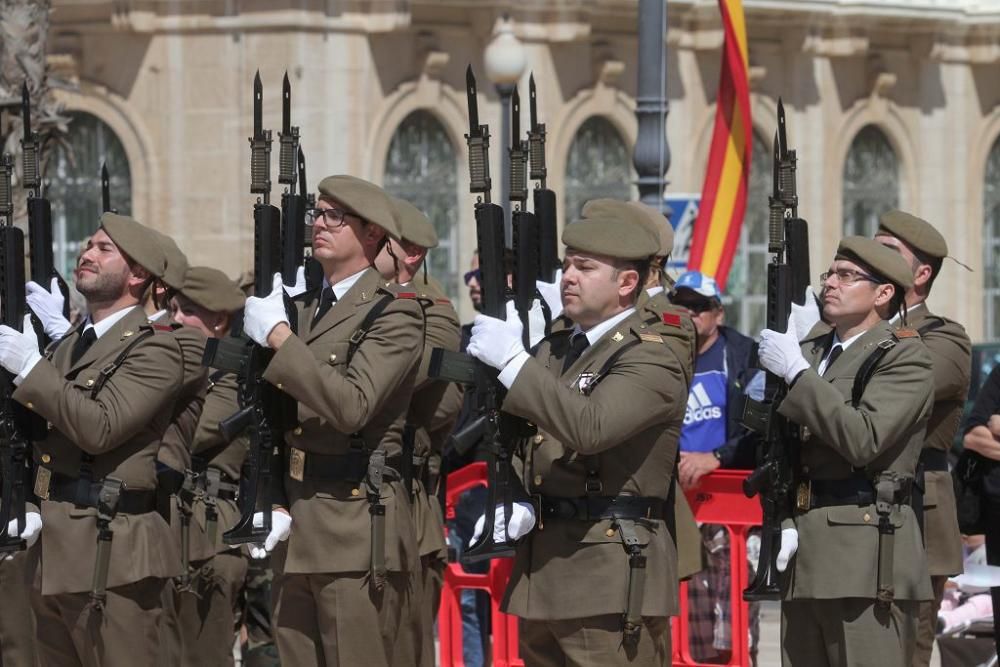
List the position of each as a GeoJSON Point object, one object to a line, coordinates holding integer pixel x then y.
{"type": "Point", "coordinates": [673, 319]}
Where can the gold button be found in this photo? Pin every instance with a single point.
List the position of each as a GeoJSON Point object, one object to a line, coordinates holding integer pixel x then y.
{"type": "Point", "coordinates": [46, 458]}
{"type": "Point", "coordinates": [355, 492]}
{"type": "Point", "coordinates": [280, 386]}
{"type": "Point", "coordinates": [538, 480]}
{"type": "Point", "coordinates": [539, 438]}
{"type": "Point", "coordinates": [610, 532]}
{"type": "Point", "coordinates": [298, 430]}
{"type": "Point", "coordinates": [868, 517]}
{"type": "Point", "coordinates": [333, 358]}
{"type": "Point", "coordinates": [90, 383]}
{"type": "Point", "coordinates": [30, 405]}
{"type": "Point", "coordinates": [127, 334]}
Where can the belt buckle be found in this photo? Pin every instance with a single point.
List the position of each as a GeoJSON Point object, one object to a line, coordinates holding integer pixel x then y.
{"type": "Point", "coordinates": [296, 464]}
{"type": "Point", "coordinates": [43, 479]}
{"type": "Point", "coordinates": [803, 496]}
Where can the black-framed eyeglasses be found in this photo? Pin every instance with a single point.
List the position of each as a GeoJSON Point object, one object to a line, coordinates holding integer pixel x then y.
{"type": "Point", "coordinates": [847, 277]}
{"type": "Point", "coordinates": [475, 273]}
{"type": "Point", "coordinates": [332, 217]}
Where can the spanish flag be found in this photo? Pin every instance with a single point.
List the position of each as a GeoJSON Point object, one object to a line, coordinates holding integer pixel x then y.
{"type": "Point", "coordinates": [724, 195]}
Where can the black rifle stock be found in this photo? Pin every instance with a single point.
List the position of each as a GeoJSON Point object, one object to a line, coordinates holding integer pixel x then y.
{"type": "Point", "coordinates": [787, 279]}
{"type": "Point", "coordinates": [14, 418]}
{"type": "Point", "coordinates": [544, 199]}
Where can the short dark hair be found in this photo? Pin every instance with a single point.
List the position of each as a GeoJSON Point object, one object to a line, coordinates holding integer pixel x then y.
{"type": "Point", "coordinates": [640, 266]}
{"type": "Point", "coordinates": [920, 257]}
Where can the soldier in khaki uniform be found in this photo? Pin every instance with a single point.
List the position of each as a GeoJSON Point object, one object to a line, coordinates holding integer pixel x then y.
{"type": "Point", "coordinates": [433, 409]}
{"type": "Point", "coordinates": [862, 394]}
{"type": "Point", "coordinates": [339, 593]}
{"type": "Point", "coordinates": [924, 249]}
{"type": "Point", "coordinates": [206, 600]}
{"type": "Point", "coordinates": [108, 390]}
{"type": "Point", "coordinates": [608, 397]}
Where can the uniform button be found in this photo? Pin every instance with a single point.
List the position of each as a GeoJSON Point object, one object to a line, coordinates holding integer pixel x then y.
{"type": "Point", "coordinates": [46, 458]}
{"type": "Point", "coordinates": [539, 438]}
{"type": "Point", "coordinates": [49, 425]}
{"type": "Point", "coordinates": [30, 405]}
{"type": "Point", "coordinates": [298, 430]}
{"type": "Point", "coordinates": [280, 386]}
{"type": "Point", "coordinates": [90, 383]}
{"type": "Point", "coordinates": [538, 480]}
{"type": "Point", "coordinates": [333, 358]}
{"type": "Point", "coordinates": [610, 532]}
{"type": "Point", "coordinates": [867, 517]}
{"type": "Point", "coordinates": [355, 492]}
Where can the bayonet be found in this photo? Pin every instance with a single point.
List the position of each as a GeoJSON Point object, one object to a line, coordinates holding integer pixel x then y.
{"type": "Point", "coordinates": [30, 173]}
{"type": "Point", "coordinates": [105, 188]}
{"type": "Point", "coordinates": [260, 147]}
{"type": "Point", "coordinates": [478, 140]}
{"type": "Point", "coordinates": [518, 156]}
{"type": "Point", "coordinates": [289, 139]}
{"type": "Point", "coordinates": [536, 137]}
{"type": "Point", "coordinates": [544, 199]}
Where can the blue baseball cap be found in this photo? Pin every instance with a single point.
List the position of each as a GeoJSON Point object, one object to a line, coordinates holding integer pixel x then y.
{"type": "Point", "coordinates": [699, 283]}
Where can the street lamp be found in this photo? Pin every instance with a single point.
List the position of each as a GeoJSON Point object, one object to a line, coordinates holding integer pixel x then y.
{"type": "Point", "coordinates": [505, 62]}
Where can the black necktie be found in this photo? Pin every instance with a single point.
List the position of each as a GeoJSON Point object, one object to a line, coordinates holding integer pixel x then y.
{"type": "Point", "coordinates": [83, 344]}
{"type": "Point", "coordinates": [577, 344]}
{"type": "Point", "coordinates": [834, 353]}
{"type": "Point", "coordinates": [326, 301]}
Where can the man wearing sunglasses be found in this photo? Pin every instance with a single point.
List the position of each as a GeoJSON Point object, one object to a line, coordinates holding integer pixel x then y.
{"type": "Point", "coordinates": [345, 567]}
{"type": "Point", "coordinates": [862, 394]}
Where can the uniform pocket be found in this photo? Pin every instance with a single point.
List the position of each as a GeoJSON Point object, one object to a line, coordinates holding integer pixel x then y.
{"type": "Point", "coordinates": [852, 515]}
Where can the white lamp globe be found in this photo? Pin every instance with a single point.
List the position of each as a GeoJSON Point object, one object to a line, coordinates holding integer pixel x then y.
{"type": "Point", "coordinates": [505, 58]}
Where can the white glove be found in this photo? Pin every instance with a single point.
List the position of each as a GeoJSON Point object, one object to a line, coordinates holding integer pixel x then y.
{"type": "Point", "coordinates": [789, 545]}
{"type": "Point", "coordinates": [19, 351]}
{"type": "Point", "coordinates": [261, 315]}
{"type": "Point", "coordinates": [495, 342]}
{"type": "Point", "coordinates": [536, 323]}
{"type": "Point", "coordinates": [47, 305]}
{"type": "Point", "coordinates": [522, 520]}
{"type": "Point", "coordinates": [300, 283]}
{"type": "Point", "coordinates": [32, 528]}
{"type": "Point", "coordinates": [780, 353]}
{"type": "Point", "coordinates": [806, 316]}
{"type": "Point", "coordinates": [281, 526]}
{"type": "Point", "coordinates": [552, 293]}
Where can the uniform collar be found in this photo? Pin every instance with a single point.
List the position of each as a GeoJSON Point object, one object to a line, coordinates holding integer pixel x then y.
{"type": "Point", "coordinates": [105, 325]}
{"type": "Point", "coordinates": [342, 287]}
{"type": "Point", "coordinates": [595, 332]}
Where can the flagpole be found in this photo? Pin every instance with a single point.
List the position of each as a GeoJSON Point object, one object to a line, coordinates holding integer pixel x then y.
{"type": "Point", "coordinates": [651, 155]}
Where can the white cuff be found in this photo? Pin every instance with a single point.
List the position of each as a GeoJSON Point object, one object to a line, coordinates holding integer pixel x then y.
{"type": "Point", "coordinates": [513, 367]}
{"type": "Point", "coordinates": [29, 364]}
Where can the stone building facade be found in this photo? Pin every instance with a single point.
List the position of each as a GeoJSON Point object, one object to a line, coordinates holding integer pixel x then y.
{"type": "Point", "coordinates": [889, 102]}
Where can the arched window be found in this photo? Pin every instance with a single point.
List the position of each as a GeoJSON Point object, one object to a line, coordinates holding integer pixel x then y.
{"type": "Point", "coordinates": [991, 246]}
{"type": "Point", "coordinates": [871, 181]}
{"type": "Point", "coordinates": [598, 165]}
{"type": "Point", "coordinates": [421, 168]}
{"type": "Point", "coordinates": [746, 289]}
{"type": "Point", "coordinates": [73, 177]}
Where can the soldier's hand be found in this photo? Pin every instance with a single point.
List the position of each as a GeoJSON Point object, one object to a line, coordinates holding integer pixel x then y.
{"type": "Point", "coordinates": [695, 465]}
{"type": "Point", "coordinates": [300, 283]}
{"type": "Point", "coordinates": [47, 305]}
{"type": "Point", "coordinates": [552, 293]}
{"type": "Point", "coordinates": [495, 342]}
{"type": "Point", "coordinates": [789, 545]}
{"type": "Point", "coordinates": [32, 528]}
{"type": "Point", "coordinates": [19, 349]}
{"type": "Point", "coordinates": [805, 316]}
{"type": "Point", "coordinates": [522, 520]}
{"type": "Point", "coordinates": [536, 323]}
{"type": "Point", "coordinates": [281, 526]}
{"type": "Point", "coordinates": [780, 352]}
{"type": "Point", "coordinates": [261, 315]}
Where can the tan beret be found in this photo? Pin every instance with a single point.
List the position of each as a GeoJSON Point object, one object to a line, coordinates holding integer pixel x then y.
{"type": "Point", "coordinates": [212, 289]}
{"type": "Point", "coordinates": [623, 237]}
{"type": "Point", "coordinates": [414, 226]}
{"type": "Point", "coordinates": [177, 262]}
{"type": "Point", "coordinates": [363, 199]}
{"type": "Point", "coordinates": [916, 233]}
{"type": "Point", "coordinates": [135, 240]}
{"type": "Point", "coordinates": [653, 219]}
{"type": "Point", "coordinates": [885, 264]}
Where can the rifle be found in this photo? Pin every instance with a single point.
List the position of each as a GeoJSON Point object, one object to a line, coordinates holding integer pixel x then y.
{"type": "Point", "coordinates": [314, 270]}
{"type": "Point", "coordinates": [40, 239]}
{"type": "Point", "coordinates": [544, 199]}
{"type": "Point", "coordinates": [525, 224]}
{"type": "Point", "coordinates": [15, 420]}
{"type": "Point", "coordinates": [787, 279]}
{"type": "Point", "coordinates": [262, 405]}
{"type": "Point", "coordinates": [293, 206]}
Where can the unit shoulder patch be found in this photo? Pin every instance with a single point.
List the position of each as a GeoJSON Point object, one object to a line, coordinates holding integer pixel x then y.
{"type": "Point", "coordinates": [651, 337]}
{"type": "Point", "coordinates": [905, 332]}
{"type": "Point", "coordinates": [673, 319]}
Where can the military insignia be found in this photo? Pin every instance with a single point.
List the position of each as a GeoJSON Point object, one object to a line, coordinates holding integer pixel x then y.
{"type": "Point", "coordinates": [42, 480]}
{"type": "Point", "coordinates": [803, 496]}
{"type": "Point", "coordinates": [673, 319]}
{"type": "Point", "coordinates": [583, 381]}
{"type": "Point", "coordinates": [618, 337]}
{"type": "Point", "coordinates": [906, 333]}
{"type": "Point", "coordinates": [651, 337]}
{"type": "Point", "coordinates": [297, 464]}
{"type": "Point", "coordinates": [127, 334]}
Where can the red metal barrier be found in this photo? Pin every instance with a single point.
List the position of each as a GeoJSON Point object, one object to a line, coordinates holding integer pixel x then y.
{"type": "Point", "coordinates": [718, 499]}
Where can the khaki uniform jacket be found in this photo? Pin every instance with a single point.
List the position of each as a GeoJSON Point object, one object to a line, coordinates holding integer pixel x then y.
{"type": "Point", "coordinates": [951, 357]}
{"type": "Point", "coordinates": [838, 546]}
{"type": "Point", "coordinates": [331, 529]}
{"type": "Point", "coordinates": [175, 448]}
{"type": "Point", "coordinates": [433, 410]}
{"type": "Point", "coordinates": [122, 429]}
{"type": "Point", "coordinates": [630, 424]}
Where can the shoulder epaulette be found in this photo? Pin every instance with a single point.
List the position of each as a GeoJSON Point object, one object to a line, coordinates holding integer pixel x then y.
{"type": "Point", "coordinates": [161, 328]}
{"type": "Point", "coordinates": [673, 319]}
{"type": "Point", "coordinates": [443, 302]}
{"type": "Point", "coordinates": [905, 332]}
{"type": "Point", "coordinates": [651, 337]}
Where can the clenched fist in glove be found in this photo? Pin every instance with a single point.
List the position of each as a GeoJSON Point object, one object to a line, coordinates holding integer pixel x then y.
{"type": "Point", "coordinates": [522, 520]}
{"type": "Point", "coordinates": [495, 342]}
{"type": "Point", "coordinates": [32, 529]}
{"type": "Point", "coordinates": [19, 349]}
{"type": "Point", "coordinates": [780, 352]}
{"type": "Point", "coordinates": [281, 526]}
{"type": "Point", "coordinates": [262, 314]}
{"type": "Point", "coordinates": [47, 305]}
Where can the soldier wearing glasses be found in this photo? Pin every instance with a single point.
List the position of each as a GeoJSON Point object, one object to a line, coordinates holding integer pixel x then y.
{"type": "Point", "coordinates": [348, 555]}
{"type": "Point", "coordinates": [855, 570]}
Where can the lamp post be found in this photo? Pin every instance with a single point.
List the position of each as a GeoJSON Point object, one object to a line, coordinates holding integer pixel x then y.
{"type": "Point", "coordinates": [652, 153]}
{"type": "Point", "coordinates": [505, 62]}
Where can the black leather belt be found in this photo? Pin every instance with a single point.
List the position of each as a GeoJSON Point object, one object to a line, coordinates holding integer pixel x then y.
{"type": "Point", "coordinates": [856, 491]}
{"type": "Point", "coordinates": [597, 508]}
{"type": "Point", "coordinates": [934, 460]}
{"type": "Point", "coordinates": [349, 467]}
{"type": "Point", "coordinates": [84, 494]}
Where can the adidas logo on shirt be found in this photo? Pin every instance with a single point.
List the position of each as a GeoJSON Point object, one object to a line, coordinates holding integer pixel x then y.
{"type": "Point", "coordinates": [699, 406]}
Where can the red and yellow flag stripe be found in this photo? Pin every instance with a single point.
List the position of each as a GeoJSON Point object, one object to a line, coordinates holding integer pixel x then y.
{"type": "Point", "coordinates": [724, 194]}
